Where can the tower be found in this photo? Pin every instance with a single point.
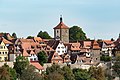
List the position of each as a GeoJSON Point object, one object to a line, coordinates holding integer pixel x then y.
{"type": "Point", "coordinates": [61, 32]}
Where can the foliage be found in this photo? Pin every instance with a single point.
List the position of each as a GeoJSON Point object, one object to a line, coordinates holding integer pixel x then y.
{"type": "Point", "coordinates": [42, 57]}
{"type": "Point", "coordinates": [68, 74]}
{"type": "Point", "coordinates": [30, 37]}
{"type": "Point", "coordinates": [97, 73]}
{"type": "Point", "coordinates": [54, 68]}
{"type": "Point", "coordinates": [116, 65]}
{"type": "Point", "coordinates": [105, 58]}
{"type": "Point", "coordinates": [81, 74]}
{"type": "Point", "coordinates": [20, 64]}
{"type": "Point", "coordinates": [10, 73]}
{"type": "Point", "coordinates": [44, 35]}
{"type": "Point", "coordinates": [4, 73]}
{"type": "Point", "coordinates": [55, 76]}
{"type": "Point", "coordinates": [14, 35]}
{"type": "Point", "coordinates": [30, 74]}
{"type": "Point", "coordinates": [76, 34]}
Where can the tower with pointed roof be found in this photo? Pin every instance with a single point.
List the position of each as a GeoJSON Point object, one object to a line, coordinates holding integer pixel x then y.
{"type": "Point", "coordinates": [61, 32]}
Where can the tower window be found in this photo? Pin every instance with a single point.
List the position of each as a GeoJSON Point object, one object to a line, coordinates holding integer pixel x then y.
{"type": "Point", "coordinates": [66, 31]}
{"type": "Point", "coordinates": [57, 31]}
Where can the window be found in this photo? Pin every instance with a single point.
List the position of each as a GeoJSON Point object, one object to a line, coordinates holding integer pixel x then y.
{"type": "Point", "coordinates": [58, 47]}
{"type": "Point", "coordinates": [3, 52]}
{"type": "Point", "coordinates": [31, 59]}
{"type": "Point", "coordinates": [66, 31]}
{"type": "Point", "coordinates": [34, 59]}
{"type": "Point", "coordinates": [0, 52]}
{"type": "Point", "coordinates": [1, 47]}
{"type": "Point", "coordinates": [57, 31]}
{"type": "Point", "coordinates": [58, 51]}
{"type": "Point", "coordinates": [62, 51]}
{"type": "Point", "coordinates": [55, 56]}
{"type": "Point", "coordinates": [0, 58]}
{"type": "Point", "coordinates": [4, 47]}
{"type": "Point", "coordinates": [62, 47]}
{"type": "Point", "coordinates": [5, 58]}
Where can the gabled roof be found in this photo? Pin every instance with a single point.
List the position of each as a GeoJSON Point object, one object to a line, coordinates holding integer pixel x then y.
{"type": "Point", "coordinates": [6, 41]}
{"type": "Point", "coordinates": [75, 46]}
{"type": "Point", "coordinates": [37, 65]}
{"type": "Point", "coordinates": [25, 53]}
{"type": "Point", "coordinates": [53, 43]}
{"type": "Point", "coordinates": [95, 45]}
{"type": "Point", "coordinates": [108, 41]}
{"type": "Point", "coordinates": [56, 56]}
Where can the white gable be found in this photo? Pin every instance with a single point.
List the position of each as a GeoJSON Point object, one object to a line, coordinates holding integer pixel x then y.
{"type": "Point", "coordinates": [61, 49]}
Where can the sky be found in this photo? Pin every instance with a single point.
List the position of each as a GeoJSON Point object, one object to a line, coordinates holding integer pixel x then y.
{"type": "Point", "coordinates": [99, 19]}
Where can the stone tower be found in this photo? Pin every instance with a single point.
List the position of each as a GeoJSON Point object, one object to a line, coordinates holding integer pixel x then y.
{"type": "Point", "coordinates": [61, 32]}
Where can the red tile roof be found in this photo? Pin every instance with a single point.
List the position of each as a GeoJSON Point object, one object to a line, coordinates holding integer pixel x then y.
{"type": "Point", "coordinates": [6, 41]}
{"type": "Point", "coordinates": [61, 25]}
{"type": "Point", "coordinates": [37, 65]}
{"type": "Point", "coordinates": [95, 45]}
{"type": "Point", "coordinates": [75, 46]}
{"type": "Point", "coordinates": [108, 41]}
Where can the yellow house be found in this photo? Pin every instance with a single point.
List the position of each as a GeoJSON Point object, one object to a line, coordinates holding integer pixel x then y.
{"type": "Point", "coordinates": [3, 51]}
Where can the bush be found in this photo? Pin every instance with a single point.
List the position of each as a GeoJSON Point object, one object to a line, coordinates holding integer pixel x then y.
{"type": "Point", "coordinates": [105, 58]}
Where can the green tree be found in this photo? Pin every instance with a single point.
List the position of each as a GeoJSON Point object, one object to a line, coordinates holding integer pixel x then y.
{"type": "Point", "coordinates": [20, 64]}
{"type": "Point", "coordinates": [97, 73]}
{"type": "Point", "coordinates": [76, 34]}
{"type": "Point", "coordinates": [30, 74]}
{"type": "Point", "coordinates": [14, 35]}
{"type": "Point", "coordinates": [30, 37]}
{"type": "Point", "coordinates": [44, 35]}
{"type": "Point", "coordinates": [4, 73]}
{"type": "Point", "coordinates": [68, 74]}
{"type": "Point", "coordinates": [55, 76]}
{"type": "Point", "coordinates": [81, 74]}
{"type": "Point", "coordinates": [54, 68]}
{"type": "Point", "coordinates": [105, 58]}
{"type": "Point", "coordinates": [11, 72]}
{"type": "Point", "coordinates": [42, 57]}
{"type": "Point", "coordinates": [116, 66]}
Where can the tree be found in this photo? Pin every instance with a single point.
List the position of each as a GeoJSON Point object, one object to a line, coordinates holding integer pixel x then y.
{"type": "Point", "coordinates": [116, 66]}
{"type": "Point", "coordinates": [30, 37]}
{"type": "Point", "coordinates": [105, 58]}
{"type": "Point", "coordinates": [30, 74]}
{"type": "Point", "coordinates": [10, 74]}
{"type": "Point", "coordinates": [54, 68]}
{"type": "Point", "coordinates": [14, 35]}
{"type": "Point", "coordinates": [42, 57]}
{"type": "Point", "coordinates": [81, 74]}
{"type": "Point", "coordinates": [4, 74]}
{"type": "Point", "coordinates": [44, 35]}
{"type": "Point", "coordinates": [55, 76]}
{"type": "Point", "coordinates": [20, 64]}
{"type": "Point", "coordinates": [68, 74]}
{"type": "Point", "coordinates": [97, 73]}
{"type": "Point", "coordinates": [76, 34]}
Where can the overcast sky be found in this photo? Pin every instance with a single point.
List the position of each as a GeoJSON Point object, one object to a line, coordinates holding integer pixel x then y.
{"type": "Point", "coordinates": [98, 18]}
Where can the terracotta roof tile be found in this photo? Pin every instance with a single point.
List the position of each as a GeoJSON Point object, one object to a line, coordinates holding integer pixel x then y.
{"type": "Point", "coordinates": [37, 65]}
{"type": "Point", "coordinates": [6, 41]}
{"type": "Point", "coordinates": [61, 25]}
{"type": "Point", "coordinates": [75, 46]}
